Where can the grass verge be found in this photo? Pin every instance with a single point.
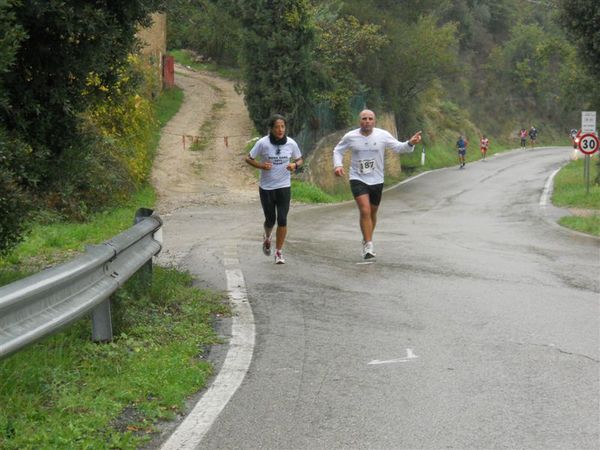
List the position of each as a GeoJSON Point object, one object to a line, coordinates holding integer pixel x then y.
{"type": "Point", "coordinates": [68, 392]}
{"type": "Point", "coordinates": [570, 192]}
{"type": "Point", "coordinates": [167, 104]}
{"type": "Point", "coordinates": [305, 192]}
{"type": "Point", "coordinates": [49, 244]}
{"type": "Point", "coordinates": [206, 134]}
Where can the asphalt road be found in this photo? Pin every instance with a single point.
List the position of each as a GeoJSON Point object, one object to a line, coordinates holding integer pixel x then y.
{"type": "Point", "coordinates": [476, 328]}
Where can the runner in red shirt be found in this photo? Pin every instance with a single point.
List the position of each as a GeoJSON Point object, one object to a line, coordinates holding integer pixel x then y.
{"type": "Point", "coordinates": [484, 144]}
{"type": "Point", "coordinates": [523, 136]}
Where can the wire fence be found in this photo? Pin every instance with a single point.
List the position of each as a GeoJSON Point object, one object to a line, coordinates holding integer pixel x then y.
{"type": "Point", "coordinates": [322, 123]}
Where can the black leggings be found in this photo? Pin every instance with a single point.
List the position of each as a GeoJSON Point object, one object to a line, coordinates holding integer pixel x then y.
{"type": "Point", "coordinates": [275, 204]}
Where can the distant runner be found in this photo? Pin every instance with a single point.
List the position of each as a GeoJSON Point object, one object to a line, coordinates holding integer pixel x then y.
{"type": "Point", "coordinates": [278, 155]}
{"type": "Point", "coordinates": [368, 145]}
{"type": "Point", "coordinates": [461, 145]}
{"type": "Point", "coordinates": [523, 136]}
{"type": "Point", "coordinates": [484, 144]}
{"type": "Point", "coordinates": [533, 132]}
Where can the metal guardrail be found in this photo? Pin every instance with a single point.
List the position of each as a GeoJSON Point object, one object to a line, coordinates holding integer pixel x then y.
{"type": "Point", "coordinates": [43, 303]}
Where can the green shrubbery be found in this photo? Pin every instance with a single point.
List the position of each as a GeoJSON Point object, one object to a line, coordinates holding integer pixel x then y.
{"type": "Point", "coordinates": [55, 152]}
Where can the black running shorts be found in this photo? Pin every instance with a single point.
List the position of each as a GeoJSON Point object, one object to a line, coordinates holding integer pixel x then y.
{"type": "Point", "coordinates": [374, 191]}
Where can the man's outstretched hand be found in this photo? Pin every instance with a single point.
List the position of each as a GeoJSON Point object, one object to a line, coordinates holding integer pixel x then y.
{"type": "Point", "coordinates": [415, 139]}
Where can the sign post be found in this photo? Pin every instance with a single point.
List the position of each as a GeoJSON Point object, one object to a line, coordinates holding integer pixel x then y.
{"type": "Point", "coordinates": [588, 144]}
{"type": "Point", "coordinates": [588, 122]}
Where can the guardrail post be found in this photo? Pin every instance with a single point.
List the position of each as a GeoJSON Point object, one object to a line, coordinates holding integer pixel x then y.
{"type": "Point", "coordinates": [145, 272]}
{"type": "Point", "coordinates": [101, 323]}
{"type": "Point", "coordinates": [101, 315]}
{"type": "Point", "coordinates": [45, 302]}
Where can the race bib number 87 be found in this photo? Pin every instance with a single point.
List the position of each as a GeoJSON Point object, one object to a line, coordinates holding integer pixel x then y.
{"type": "Point", "coordinates": [366, 165]}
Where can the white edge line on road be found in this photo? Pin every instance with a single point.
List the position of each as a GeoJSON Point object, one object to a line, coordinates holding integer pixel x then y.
{"type": "Point", "coordinates": [547, 188]}
{"type": "Point", "coordinates": [410, 179]}
{"type": "Point", "coordinates": [241, 347]}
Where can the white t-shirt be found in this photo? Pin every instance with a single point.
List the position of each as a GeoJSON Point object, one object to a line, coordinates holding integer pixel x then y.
{"type": "Point", "coordinates": [368, 153]}
{"type": "Point", "coordinates": [280, 156]}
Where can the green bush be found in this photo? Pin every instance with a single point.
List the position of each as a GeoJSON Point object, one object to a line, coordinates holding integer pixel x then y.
{"type": "Point", "coordinates": [15, 200]}
{"type": "Point", "coordinates": [92, 178]}
{"type": "Point", "coordinates": [208, 28]}
{"type": "Point", "coordinates": [14, 210]}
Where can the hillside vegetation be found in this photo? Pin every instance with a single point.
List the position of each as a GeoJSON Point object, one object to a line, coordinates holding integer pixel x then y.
{"type": "Point", "coordinates": [467, 67]}
{"type": "Point", "coordinates": [75, 110]}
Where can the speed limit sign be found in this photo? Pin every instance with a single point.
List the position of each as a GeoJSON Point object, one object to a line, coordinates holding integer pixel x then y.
{"type": "Point", "coordinates": [588, 143]}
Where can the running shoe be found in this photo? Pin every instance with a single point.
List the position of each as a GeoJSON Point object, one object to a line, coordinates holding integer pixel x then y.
{"type": "Point", "coordinates": [279, 257]}
{"type": "Point", "coordinates": [267, 245]}
{"type": "Point", "coordinates": [368, 251]}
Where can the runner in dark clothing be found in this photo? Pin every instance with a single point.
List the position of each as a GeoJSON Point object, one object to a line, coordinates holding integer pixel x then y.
{"type": "Point", "coordinates": [461, 145]}
{"type": "Point", "coordinates": [533, 132]}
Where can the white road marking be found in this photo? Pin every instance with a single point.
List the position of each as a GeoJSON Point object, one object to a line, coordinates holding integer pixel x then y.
{"type": "Point", "coordinates": [228, 261]}
{"type": "Point", "coordinates": [409, 355]}
{"type": "Point", "coordinates": [547, 188]}
{"type": "Point", "coordinates": [409, 179]}
{"type": "Point", "coordinates": [241, 347]}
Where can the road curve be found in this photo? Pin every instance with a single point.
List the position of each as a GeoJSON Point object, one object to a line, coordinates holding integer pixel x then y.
{"type": "Point", "coordinates": [477, 327]}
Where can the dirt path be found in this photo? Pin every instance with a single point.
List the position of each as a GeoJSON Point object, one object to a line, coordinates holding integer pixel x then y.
{"type": "Point", "coordinates": [217, 174]}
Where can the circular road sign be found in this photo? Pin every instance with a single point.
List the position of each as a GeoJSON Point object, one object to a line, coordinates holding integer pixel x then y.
{"type": "Point", "coordinates": [588, 143]}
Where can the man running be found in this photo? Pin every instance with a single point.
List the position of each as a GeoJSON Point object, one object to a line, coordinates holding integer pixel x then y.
{"type": "Point", "coordinates": [533, 132]}
{"type": "Point", "coordinates": [368, 145]}
{"type": "Point", "coordinates": [461, 145]}
{"type": "Point", "coordinates": [279, 156]}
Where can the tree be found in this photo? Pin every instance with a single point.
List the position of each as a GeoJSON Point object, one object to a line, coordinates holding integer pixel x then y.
{"type": "Point", "coordinates": [66, 41]}
{"type": "Point", "coordinates": [207, 27]}
{"type": "Point", "coordinates": [534, 74]}
{"type": "Point", "coordinates": [418, 49]}
{"type": "Point", "coordinates": [278, 68]}
{"type": "Point", "coordinates": [14, 200]}
{"type": "Point", "coordinates": [344, 47]}
{"type": "Point", "coordinates": [580, 18]}
{"type": "Point", "coordinates": [48, 51]}
{"type": "Point", "coordinates": [417, 56]}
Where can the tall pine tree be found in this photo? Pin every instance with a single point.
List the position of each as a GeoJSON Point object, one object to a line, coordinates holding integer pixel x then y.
{"type": "Point", "coordinates": [279, 42]}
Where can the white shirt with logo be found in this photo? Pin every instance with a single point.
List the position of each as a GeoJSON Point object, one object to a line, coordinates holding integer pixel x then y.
{"type": "Point", "coordinates": [280, 156]}
{"type": "Point", "coordinates": [368, 153]}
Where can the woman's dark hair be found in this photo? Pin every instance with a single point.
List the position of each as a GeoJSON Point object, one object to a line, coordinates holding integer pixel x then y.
{"type": "Point", "coordinates": [274, 118]}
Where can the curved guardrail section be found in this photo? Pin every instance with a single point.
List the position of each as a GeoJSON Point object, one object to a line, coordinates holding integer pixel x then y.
{"type": "Point", "coordinates": [45, 302]}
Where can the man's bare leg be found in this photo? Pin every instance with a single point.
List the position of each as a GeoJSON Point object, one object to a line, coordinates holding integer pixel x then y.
{"type": "Point", "coordinates": [365, 216]}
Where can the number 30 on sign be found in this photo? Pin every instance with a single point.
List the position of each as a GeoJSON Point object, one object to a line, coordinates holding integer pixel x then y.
{"type": "Point", "coordinates": [588, 143]}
